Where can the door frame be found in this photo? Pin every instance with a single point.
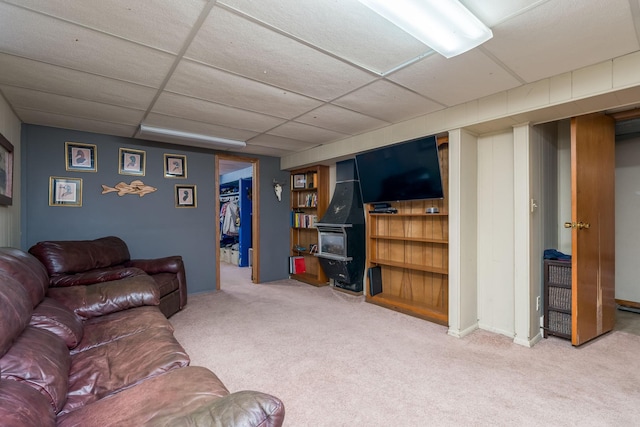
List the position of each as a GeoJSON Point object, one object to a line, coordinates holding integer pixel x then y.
{"type": "Point", "coordinates": [255, 210]}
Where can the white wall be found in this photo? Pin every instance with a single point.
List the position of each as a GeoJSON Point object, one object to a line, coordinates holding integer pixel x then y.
{"type": "Point", "coordinates": [496, 233]}
{"type": "Point", "coordinates": [10, 215]}
{"type": "Point", "coordinates": [463, 261]}
{"type": "Point", "coordinates": [627, 224]}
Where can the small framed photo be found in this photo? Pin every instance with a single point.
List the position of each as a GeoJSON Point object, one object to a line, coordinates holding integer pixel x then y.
{"type": "Point", "coordinates": [65, 191]}
{"type": "Point", "coordinates": [81, 157]}
{"type": "Point", "coordinates": [6, 171]}
{"type": "Point", "coordinates": [132, 162]}
{"type": "Point", "coordinates": [186, 196]}
{"type": "Point", "coordinates": [299, 180]}
{"type": "Point", "coordinates": [175, 166]}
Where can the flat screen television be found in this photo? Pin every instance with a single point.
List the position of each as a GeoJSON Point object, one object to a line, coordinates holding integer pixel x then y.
{"type": "Point", "coordinates": [406, 171]}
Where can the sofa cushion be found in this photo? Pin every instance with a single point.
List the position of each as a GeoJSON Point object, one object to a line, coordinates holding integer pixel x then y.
{"type": "Point", "coordinates": [41, 360]}
{"type": "Point", "coordinates": [15, 310]}
{"type": "Point", "coordinates": [177, 392]}
{"type": "Point", "coordinates": [110, 368]}
{"type": "Point", "coordinates": [98, 275]}
{"type": "Point", "coordinates": [21, 405]}
{"type": "Point", "coordinates": [27, 270]}
{"type": "Point", "coordinates": [111, 327]}
{"type": "Point", "coordinates": [55, 317]}
{"type": "Point", "coordinates": [108, 297]}
{"type": "Point", "coordinates": [76, 256]}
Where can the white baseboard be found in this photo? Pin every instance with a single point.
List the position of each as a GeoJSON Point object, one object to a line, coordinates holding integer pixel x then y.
{"type": "Point", "coordinates": [462, 333]}
{"type": "Point", "coordinates": [495, 330]}
{"type": "Point", "coordinates": [528, 342]}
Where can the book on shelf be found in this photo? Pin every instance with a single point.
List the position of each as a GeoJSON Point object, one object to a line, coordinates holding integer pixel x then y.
{"type": "Point", "coordinates": [302, 220]}
{"type": "Point", "coordinates": [297, 265]}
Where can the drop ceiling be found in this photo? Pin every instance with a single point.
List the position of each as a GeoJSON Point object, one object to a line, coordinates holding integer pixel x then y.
{"type": "Point", "coordinates": [283, 75]}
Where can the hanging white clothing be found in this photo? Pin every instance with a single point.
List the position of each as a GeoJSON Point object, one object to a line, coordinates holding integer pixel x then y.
{"type": "Point", "coordinates": [231, 218]}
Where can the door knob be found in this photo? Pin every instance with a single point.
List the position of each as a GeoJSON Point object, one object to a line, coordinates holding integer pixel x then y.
{"type": "Point", "coordinates": [578, 225]}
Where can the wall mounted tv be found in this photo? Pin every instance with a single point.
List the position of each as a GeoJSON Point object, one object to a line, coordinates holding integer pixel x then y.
{"type": "Point", "coordinates": [406, 171]}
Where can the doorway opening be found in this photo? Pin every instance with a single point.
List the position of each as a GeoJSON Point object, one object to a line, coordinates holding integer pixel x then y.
{"type": "Point", "coordinates": [237, 213]}
{"type": "Point", "coordinates": [557, 187]}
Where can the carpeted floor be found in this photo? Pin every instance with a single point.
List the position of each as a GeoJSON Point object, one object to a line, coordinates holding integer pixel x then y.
{"type": "Point", "coordinates": [335, 360]}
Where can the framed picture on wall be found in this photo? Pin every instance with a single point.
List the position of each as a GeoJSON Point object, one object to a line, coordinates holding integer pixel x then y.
{"type": "Point", "coordinates": [6, 171]}
{"type": "Point", "coordinates": [65, 191]}
{"type": "Point", "coordinates": [175, 166]}
{"type": "Point", "coordinates": [132, 162]}
{"type": "Point", "coordinates": [81, 157]}
{"type": "Point", "coordinates": [186, 196]}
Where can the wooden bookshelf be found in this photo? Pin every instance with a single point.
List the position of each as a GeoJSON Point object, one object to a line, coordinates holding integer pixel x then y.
{"type": "Point", "coordinates": [412, 249]}
{"type": "Point", "coordinates": [309, 201]}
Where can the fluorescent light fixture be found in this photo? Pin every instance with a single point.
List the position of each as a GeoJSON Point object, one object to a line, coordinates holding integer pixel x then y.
{"type": "Point", "coordinates": [446, 26]}
{"type": "Point", "coordinates": [151, 131]}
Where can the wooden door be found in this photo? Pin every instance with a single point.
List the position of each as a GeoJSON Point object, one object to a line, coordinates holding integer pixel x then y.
{"type": "Point", "coordinates": [593, 221]}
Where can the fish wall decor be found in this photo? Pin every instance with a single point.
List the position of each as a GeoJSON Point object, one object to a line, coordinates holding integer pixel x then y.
{"type": "Point", "coordinates": [136, 187]}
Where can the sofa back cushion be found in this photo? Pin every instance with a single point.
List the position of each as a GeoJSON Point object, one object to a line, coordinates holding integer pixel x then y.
{"type": "Point", "coordinates": [40, 359]}
{"type": "Point", "coordinates": [55, 317]}
{"type": "Point", "coordinates": [21, 405]}
{"type": "Point", "coordinates": [76, 256]}
{"type": "Point", "coordinates": [27, 270]}
{"type": "Point", "coordinates": [15, 310]}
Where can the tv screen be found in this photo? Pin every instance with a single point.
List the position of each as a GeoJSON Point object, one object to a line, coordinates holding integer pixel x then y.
{"type": "Point", "coordinates": [406, 171]}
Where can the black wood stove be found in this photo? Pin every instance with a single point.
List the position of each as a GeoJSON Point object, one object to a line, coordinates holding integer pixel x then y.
{"type": "Point", "coordinates": [341, 231]}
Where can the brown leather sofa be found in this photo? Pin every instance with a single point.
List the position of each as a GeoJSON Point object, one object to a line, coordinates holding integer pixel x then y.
{"type": "Point", "coordinates": [85, 262]}
{"type": "Point", "coordinates": [104, 357]}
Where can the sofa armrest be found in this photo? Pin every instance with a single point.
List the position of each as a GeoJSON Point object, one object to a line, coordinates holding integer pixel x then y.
{"type": "Point", "coordinates": [108, 297]}
{"type": "Point", "coordinates": [171, 264]}
{"type": "Point", "coordinates": [243, 408]}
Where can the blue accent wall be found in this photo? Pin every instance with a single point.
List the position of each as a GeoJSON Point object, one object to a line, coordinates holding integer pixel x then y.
{"type": "Point", "coordinates": [151, 225]}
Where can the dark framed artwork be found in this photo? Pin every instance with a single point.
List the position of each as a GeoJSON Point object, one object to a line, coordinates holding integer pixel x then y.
{"type": "Point", "coordinates": [132, 162]}
{"type": "Point", "coordinates": [6, 171]}
{"type": "Point", "coordinates": [65, 191]}
{"type": "Point", "coordinates": [175, 166]}
{"type": "Point", "coordinates": [299, 180]}
{"type": "Point", "coordinates": [81, 157]}
{"type": "Point", "coordinates": [186, 196]}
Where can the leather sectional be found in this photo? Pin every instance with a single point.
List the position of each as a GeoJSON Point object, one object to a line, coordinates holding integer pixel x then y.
{"type": "Point", "coordinates": [103, 354]}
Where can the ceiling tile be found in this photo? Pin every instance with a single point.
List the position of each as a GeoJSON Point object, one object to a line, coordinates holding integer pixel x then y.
{"type": "Point", "coordinates": [76, 123]}
{"type": "Point", "coordinates": [494, 12]}
{"type": "Point", "coordinates": [260, 150]}
{"type": "Point", "coordinates": [248, 49]}
{"type": "Point", "coordinates": [196, 109]}
{"type": "Point", "coordinates": [177, 123]}
{"type": "Point", "coordinates": [281, 143]}
{"type": "Point", "coordinates": [356, 33]}
{"type": "Point", "coordinates": [341, 120]}
{"type": "Point", "coordinates": [302, 132]}
{"type": "Point", "coordinates": [20, 72]}
{"type": "Point", "coordinates": [47, 102]}
{"type": "Point", "coordinates": [201, 81]}
{"type": "Point", "coordinates": [560, 36]}
{"type": "Point", "coordinates": [162, 24]}
{"type": "Point", "coordinates": [57, 42]}
{"type": "Point", "coordinates": [455, 80]}
{"type": "Point", "coordinates": [387, 101]}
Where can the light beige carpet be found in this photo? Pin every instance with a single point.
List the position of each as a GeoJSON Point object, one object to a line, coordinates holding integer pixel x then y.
{"type": "Point", "coordinates": [335, 360]}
